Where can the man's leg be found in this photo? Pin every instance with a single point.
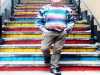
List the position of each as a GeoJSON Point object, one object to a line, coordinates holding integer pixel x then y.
{"type": "Point", "coordinates": [46, 44]}
{"type": "Point", "coordinates": [58, 46]}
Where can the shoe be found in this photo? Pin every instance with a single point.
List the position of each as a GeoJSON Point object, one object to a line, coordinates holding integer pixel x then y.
{"type": "Point", "coordinates": [55, 70]}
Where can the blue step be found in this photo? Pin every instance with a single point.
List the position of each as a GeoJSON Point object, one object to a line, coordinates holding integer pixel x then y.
{"type": "Point", "coordinates": [41, 58]}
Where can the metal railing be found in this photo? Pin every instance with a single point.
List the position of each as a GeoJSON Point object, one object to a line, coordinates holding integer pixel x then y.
{"type": "Point", "coordinates": [13, 5]}
{"type": "Point", "coordinates": [89, 16]}
{"type": "Point", "coordinates": [92, 21]}
{"type": "Point", "coordinates": [8, 13]}
{"type": "Point", "coordinates": [76, 3]}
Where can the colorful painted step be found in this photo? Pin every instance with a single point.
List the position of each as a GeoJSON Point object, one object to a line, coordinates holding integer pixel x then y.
{"type": "Point", "coordinates": [38, 4]}
{"type": "Point", "coordinates": [37, 29]}
{"type": "Point", "coordinates": [40, 36]}
{"type": "Point", "coordinates": [13, 25]}
{"type": "Point", "coordinates": [35, 7]}
{"type": "Point", "coordinates": [41, 58]}
{"type": "Point", "coordinates": [46, 68]}
{"type": "Point", "coordinates": [36, 48]}
{"type": "Point", "coordinates": [39, 41]}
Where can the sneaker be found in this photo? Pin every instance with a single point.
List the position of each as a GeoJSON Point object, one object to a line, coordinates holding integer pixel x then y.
{"type": "Point", "coordinates": [55, 70]}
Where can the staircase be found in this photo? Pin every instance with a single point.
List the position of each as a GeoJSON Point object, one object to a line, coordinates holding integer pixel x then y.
{"type": "Point", "coordinates": [22, 39]}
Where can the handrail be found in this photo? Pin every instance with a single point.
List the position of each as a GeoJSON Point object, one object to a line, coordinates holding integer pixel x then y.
{"type": "Point", "coordinates": [91, 13]}
{"type": "Point", "coordinates": [91, 19]}
{"type": "Point", "coordinates": [94, 23]}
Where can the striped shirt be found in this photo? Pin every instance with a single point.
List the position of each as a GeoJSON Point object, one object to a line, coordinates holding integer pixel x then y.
{"type": "Point", "coordinates": [50, 15]}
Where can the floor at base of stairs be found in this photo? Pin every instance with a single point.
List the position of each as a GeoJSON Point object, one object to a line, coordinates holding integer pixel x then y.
{"type": "Point", "coordinates": [47, 73]}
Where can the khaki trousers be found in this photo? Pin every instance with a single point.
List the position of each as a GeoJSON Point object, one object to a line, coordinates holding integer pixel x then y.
{"type": "Point", "coordinates": [56, 40]}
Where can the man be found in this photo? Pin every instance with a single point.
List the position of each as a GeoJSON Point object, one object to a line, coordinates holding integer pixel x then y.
{"type": "Point", "coordinates": [54, 20]}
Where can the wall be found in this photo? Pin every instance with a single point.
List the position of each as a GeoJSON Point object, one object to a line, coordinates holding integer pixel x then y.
{"type": "Point", "coordinates": [5, 10]}
{"type": "Point", "coordinates": [5, 4]}
{"type": "Point", "coordinates": [94, 6]}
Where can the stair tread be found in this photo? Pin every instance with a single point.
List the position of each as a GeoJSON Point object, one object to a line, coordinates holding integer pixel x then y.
{"type": "Point", "coordinates": [31, 4]}
{"type": "Point", "coordinates": [70, 41]}
{"type": "Point", "coordinates": [38, 45]}
{"type": "Point", "coordinates": [39, 32]}
{"type": "Point", "coordinates": [41, 53]}
{"type": "Point", "coordinates": [36, 58]}
{"type": "Point", "coordinates": [41, 63]}
{"type": "Point", "coordinates": [14, 23]}
{"type": "Point", "coordinates": [41, 38]}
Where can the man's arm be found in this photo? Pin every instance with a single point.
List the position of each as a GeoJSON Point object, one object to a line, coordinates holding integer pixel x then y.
{"type": "Point", "coordinates": [70, 20]}
{"type": "Point", "coordinates": [40, 21]}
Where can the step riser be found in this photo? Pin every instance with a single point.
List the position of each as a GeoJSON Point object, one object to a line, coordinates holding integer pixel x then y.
{"type": "Point", "coordinates": [36, 8]}
{"type": "Point", "coordinates": [39, 36]}
{"type": "Point", "coordinates": [23, 9]}
{"type": "Point", "coordinates": [39, 1]}
{"type": "Point", "coordinates": [41, 58]}
{"type": "Point", "coordinates": [39, 4]}
{"type": "Point", "coordinates": [34, 25]}
{"type": "Point", "coordinates": [39, 41]}
{"type": "Point", "coordinates": [11, 50]}
{"type": "Point", "coordinates": [30, 10]}
{"type": "Point", "coordinates": [63, 68]}
{"type": "Point", "coordinates": [37, 29]}
{"type": "Point", "coordinates": [33, 14]}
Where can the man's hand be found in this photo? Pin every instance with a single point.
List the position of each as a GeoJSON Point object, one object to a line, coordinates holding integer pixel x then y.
{"type": "Point", "coordinates": [56, 27]}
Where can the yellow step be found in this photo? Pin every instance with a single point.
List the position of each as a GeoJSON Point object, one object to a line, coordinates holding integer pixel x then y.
{"type": "Point", "coordinates": [32, 13]}
{"type": "Point", "coordinates": [33, 25]}
{"type": "Point", "coordinates": [20, 25]}
{"type": "Point", "coordinates": [25, 13]}
{"type": "Point", "coordinates": [19, 7]}
{"type": "Point", "coordinates": [40, 36]}
{"type": "Point", "coordinates": [38, 50]}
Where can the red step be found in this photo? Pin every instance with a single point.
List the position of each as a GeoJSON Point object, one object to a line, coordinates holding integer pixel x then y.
{"type": "Point", "coordinates": [32, 29]}
{"type": "Point", "coordinates": [39, 41]}
{"type": "Point", "coordinates": [63, 68]}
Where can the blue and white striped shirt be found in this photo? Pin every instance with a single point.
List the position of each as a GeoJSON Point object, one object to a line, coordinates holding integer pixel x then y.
{"type": "Point", "coordinates": [50, 15]}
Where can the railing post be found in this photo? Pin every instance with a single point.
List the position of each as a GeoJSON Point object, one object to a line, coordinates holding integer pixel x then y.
{"type": "Point", "coordinates": [70, 1]}
{"type": "Point", "coordinates": [98, 36]}
{"type": "Point", "coordinates": [12, 7]}
{"type": "Point", "coordinates": [1, 40]}
{"type": "Point", "coordinates": [79, 8]}
{"type": "Point", "coordinates": [19, 1]}
{"type": "Point", "coordinates": [93, 32]}
{"type": "Point", "coordinates": [0, 26]}
{"type": "Point", "coordinates": [12, 10]}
